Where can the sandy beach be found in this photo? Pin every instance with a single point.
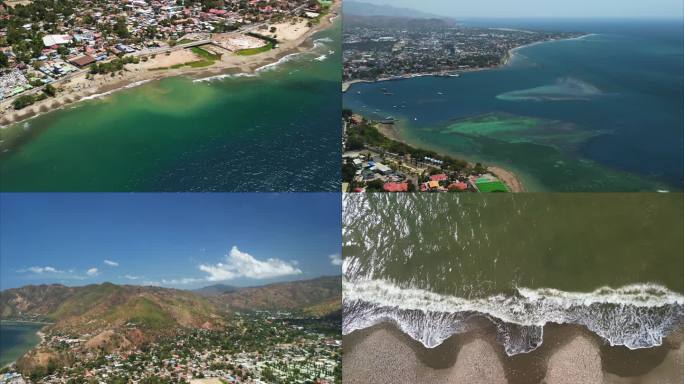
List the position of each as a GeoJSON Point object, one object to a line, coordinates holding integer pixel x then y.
{"type": "Point", "coordinates": [569, 354]}
{"type": "Point", "coordinates": [293, 38]}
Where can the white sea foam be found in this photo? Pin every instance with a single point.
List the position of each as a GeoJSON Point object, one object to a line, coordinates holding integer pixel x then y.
{"type": "Point", "coordinates": [282, 60]}
{"type": "Point", "coordinates": [103, 94]}
{"type": "Point", "coordinates": [636, 316]}
{"type": "Point", "coordinates": [321, 57]}
{"type": "Point", "coordinates": [224, 76]}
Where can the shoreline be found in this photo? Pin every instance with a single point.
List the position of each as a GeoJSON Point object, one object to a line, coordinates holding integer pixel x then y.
{"type": "Point", "coordinates": [41, 337]}
{"type": "Point", "coordinates": [569, 354]}
{"type": "Point", "coordinates": [73, 93]}
{"type": "Point", "coordinates": [346, 85]}
{"type": "Point", "coordinates": [512, 181]}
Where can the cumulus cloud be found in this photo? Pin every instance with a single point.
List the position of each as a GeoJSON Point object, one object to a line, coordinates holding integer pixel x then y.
{"type": "Point", "coordinates": [92, 272]}
{"type": "Point", "coordinates": [42, 270]}
{"type": "Point", "coordinates": [242, 264]}
{"type": "Point", "coordinates": [111, 263]}
{"type": "Point", "coordinates": [335, 259]}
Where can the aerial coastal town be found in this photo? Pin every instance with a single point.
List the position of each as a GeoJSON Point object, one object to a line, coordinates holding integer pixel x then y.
{"type": "Point", "coordinates": [261, 347]}
{"type": "Point", "coordinates": [47, 45]}
{"type": "Point", "coordinates": [386, 48]}
{"type": "Point", "coordinates": [374, 160]}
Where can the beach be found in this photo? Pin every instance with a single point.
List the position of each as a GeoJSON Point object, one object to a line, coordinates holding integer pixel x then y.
{"type": "Point", "coordinates": [293, 39]}
{"type": "Point", "coordinates": [570, 354]}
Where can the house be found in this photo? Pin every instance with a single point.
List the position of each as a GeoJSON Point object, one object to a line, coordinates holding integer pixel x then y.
{"type": "Point", "coordinates": [82, 61]}
{"type": "Point", "coordinates": [396, 187]}
{"type": "Point", "coordinates": [50, 40]}
{"type": "Point", "coordinates": [459, 186]}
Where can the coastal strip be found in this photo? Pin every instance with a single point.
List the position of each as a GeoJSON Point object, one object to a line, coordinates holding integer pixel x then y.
{"type": "Point", "coordinates": [506, 61]}
{"type": "Point", "coordinates": [512, 181]}
{"type": "Point", "coordinates": [174, 63]}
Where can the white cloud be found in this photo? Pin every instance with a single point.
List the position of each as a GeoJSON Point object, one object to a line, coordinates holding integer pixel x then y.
{"type": "Point", "coordinates": [41, 270]}
{"type": "Point", "coordinates": [335, 259]}
{"type": "Point", "coordinates": [131, 277]}
{"type": "Point", "coordinates": [92, 272]}
{"type": "Point", "coordinates": [111, 263]}
{"type": "Point", "coordinates": [241, 264]}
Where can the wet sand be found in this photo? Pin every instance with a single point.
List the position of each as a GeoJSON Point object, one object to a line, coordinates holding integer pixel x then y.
{"type": "Point", "coordinates": [569, 354]}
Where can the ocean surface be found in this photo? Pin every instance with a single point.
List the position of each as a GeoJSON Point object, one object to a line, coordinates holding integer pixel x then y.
{"type": "Point", "coordinates": [433, 264]}
{"type": "Point", "coordinates": [278, 130]}
{"type": "Point", "coordinates": [17, 339]}
{"type": "Point", "coordinates": [601, 113]}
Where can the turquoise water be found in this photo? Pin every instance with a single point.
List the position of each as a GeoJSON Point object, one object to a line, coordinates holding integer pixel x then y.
{"type": "Point", "coordinates": [606, 110]}
{"type": "Point", "coordinates": [276, 131]}
{"type": "Point", "coordinates": [16, 339]}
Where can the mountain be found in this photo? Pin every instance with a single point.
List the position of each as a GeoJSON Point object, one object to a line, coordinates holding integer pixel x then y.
{"type": "Point", "coordinates": [93, 308]}
{"type": "Point", "coordinates": [105, 306]}
{"type": "Point", "coordinates": [213, 290]}
{"type": "Point", "coordinates": [318, 297]}
{"type": "Point", "coordinates": [357, 8]}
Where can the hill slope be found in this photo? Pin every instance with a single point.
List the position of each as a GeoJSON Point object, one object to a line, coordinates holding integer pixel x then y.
{"type": "Point", "coordinates": [95, 307]}
{"type": "Point", "coordinates": [318, 297]}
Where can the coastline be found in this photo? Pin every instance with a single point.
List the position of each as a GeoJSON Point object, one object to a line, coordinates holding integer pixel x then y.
{"type": "Point", "coordinates": [346, 85]}
{"type": "Point", "coordinates": [512, 181]}
{"type": "Point", "coordinates": [77, 88]}
{"type": "Point", "coordinates": [41, 337]}
{"type": "Point", "coordinates": [569, 354]}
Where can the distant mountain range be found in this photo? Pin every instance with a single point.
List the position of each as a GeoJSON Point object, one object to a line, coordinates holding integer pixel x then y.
{"type": "Point", "coordinates": [94, 308]}
{"type": "Point", "coordinates": [358, 8]}
{"type": "Point", "coordinates": [213, 290]}
{"type": "Point", "coordinates": [318, 296]}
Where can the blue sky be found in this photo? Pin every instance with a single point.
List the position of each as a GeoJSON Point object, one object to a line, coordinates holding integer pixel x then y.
{"type": "Point", "coordinates": [175, 240]}
{"type": "Point", "coordinates": [545, 8]}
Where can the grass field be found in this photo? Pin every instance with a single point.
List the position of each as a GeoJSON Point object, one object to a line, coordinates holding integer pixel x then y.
{"type": "Point", "coordinates": [255, 51]}
{"type": "Point", "coordinates": [492, 186]}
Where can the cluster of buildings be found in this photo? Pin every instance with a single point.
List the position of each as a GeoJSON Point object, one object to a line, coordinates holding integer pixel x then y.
{"type": "Point", "coordinates": [390, 172]}
{"type": "Point", "coordinates": [398, 48]}
{"type": "Point", "coordinates": [76, 34]}
{"type": "Point", "coordinates": [389, 166]}
{"type": "Point", "coordinates": [256, 348]}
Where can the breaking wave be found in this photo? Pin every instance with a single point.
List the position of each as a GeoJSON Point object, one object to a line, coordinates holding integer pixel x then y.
{"type": "Point", "coordinates": [282, 60]}
{"type": "Point", "coordinates": [103, 94]}
{"type": "Point", "coordinates": [223, 76]}
{"type": "Point", "coordinates": [635, 316]}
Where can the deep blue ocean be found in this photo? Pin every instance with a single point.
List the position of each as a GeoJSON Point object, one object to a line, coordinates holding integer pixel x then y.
{"type": "Point", "coordinates": [602, 113]}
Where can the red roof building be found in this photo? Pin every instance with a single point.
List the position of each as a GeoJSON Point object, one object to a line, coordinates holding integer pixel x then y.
{"type": "Point", "coordinates": [460, 186]}
{"type": "Point", "coordinates": [395, 187]}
